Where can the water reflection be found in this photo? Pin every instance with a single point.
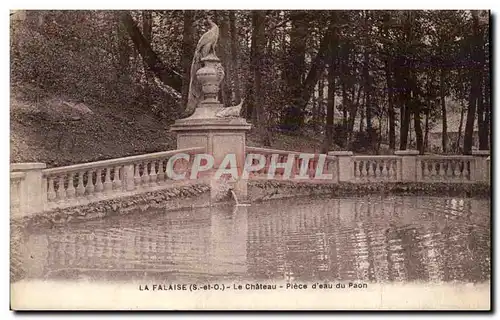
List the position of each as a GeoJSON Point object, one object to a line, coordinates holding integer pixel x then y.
{"type": "Point", "coordinates": [370, 239]}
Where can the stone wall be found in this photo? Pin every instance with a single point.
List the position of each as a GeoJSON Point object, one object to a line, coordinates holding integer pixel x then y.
{"type": "Point", "coordinates": [269, 190]}
{"type": "Point", "coordinates": [195, 196]}
{"type": "Point", "coordinates": [174, 198]}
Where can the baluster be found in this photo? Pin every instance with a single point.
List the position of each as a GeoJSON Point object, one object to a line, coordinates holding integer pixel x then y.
{"type": "Point", "coordinates": [386, 168]}
{"type": "Point", "coordinates": [367, 168]}
{"type": "Point", "coordinates": [442, 172]}
{"type": "Point", "coordinates": [466, 171]}
{"type": "Point", "coordinates": [51, 193]}
{"type": "Point", "coordinates": [137, 174]}
{"type": "Point", "coordinates": [61, 191]}
{"type": "Point", "coordinates": [71, 191]}
{"type": "Point", "coordinates": [391, 169]}
{"type": "Point", "coordinates": [435, 170]}
{"type": "Point", "coordinates": [310, 167]}
{"type": "Point", "coordinates": [268, 163]}
{"type": "Point", "coordinates": [161, 172]}
{"type": "Point", "coordinates": [427, 169]}
{"type": "Point", "coordinates": [153, 174]}
{"type": "Point", "coordinates": [99, 187]}
{"type": "Point", "coordinates": [117, 183]}
{"type": "Point", "coordinates": [80, 189]}
{"type": "Point", "coordinates": [108, 185]}
{"type": "Point", "coordinates": [380, 169]}
{"type": "Point", "coordinates": [394, 169]}
{"type": "Point", "coordinates": [456, 169]}
{"type": "Point", "coordinates": [90, 182]}
{"type": "Point", "coordinates": [449, 168]}
{"type": "Point", "coordinates": [145, 173]}
{"type": "Point", "coordinates": [360, 169]}
{"type": "Point", "coordinates": [282, 159]}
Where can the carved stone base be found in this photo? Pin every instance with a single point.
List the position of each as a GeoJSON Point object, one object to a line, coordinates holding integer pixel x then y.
{"type": "Point", "coordinates": [219, 137]}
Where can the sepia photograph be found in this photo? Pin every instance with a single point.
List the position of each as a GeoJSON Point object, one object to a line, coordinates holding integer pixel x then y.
{"type": "Point", "coordinates": [250, 160]}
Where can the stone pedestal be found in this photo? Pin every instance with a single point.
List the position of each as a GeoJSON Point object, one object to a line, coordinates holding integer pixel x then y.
{"type": "Point", "coordinates": [33, 192]}
{"type": "Point", "coordinates": [345, 167]}
{"type": "Point", "coordinates": [219, 137]}
{"type": "Point", "coordinates": [409, 166]}
{"type": "Point", "coordinates": [481, 165]}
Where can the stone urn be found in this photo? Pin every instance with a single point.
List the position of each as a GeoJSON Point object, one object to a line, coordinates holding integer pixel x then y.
{"type": "Point", "coordinates": [210, 77]}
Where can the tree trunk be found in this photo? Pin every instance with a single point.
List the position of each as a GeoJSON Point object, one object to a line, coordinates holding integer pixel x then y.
{"type": "Point", "coordinates": [352, 116]}
{"type": "Point", "coordinates": [418, 127]}
{"type": "Point", "coordinates": [258, 45]}
{"type": "Point", "coordinates": [362, 114]}
{"type": "Point", "coordinates": [344, 78]}
{"type": "Point", "coordinates": [487, 117]}
{"type": "Point", "coordinates": [188, 47]}
{"type": "Point", "coordinates": [330, 111]}
{"type": "Point", "coordinates": [482, 123]}
{"type": "Point", "coordinates": [475, 75]}
{"type": "Point", "coordinates": [345, 106]}
{"type": "Point", "coordinates": [224, 52]}
{"type": "Point", "coordinates": [167, 75]}
{"type": "Point", "coordinates": [147, 30]}
{"type": "Point", "coordinates": [426, 134]}
{"type": "Point", "coordinates": [405, 78]}
{"type": "Point", "coordinates": [293, 116]}
{"type": "Point", "coordinates": [124, 55]}
{"type": "Point", "coordinates": [318, 123]}
{"type": "Point", "coordinates": [444, 135]}
{"type": "Point", "coordinates": [405, 125]}
{"type": "Point", "coordinates": [366, 76]}
{"type": "Point", "coordinates": [390, 101]}
{"type": "Point", "coordinates": [460, 126]}
{"type": "Point", "coordinates": [235, 56]}
{"type": "Point", "coordinates": [318, 63]}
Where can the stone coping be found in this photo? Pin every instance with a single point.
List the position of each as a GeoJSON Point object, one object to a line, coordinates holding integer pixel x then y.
{"type": "Point", "coordinates": [27, 166]}
{"type": "Point", "coordinates": [406, 152]}
{"type": "Point", "coordinates": [211, 124]}
{"type": "Point", "coordinates": [480, 152]}
{"type": "Point", "coordinates": [340, 153]}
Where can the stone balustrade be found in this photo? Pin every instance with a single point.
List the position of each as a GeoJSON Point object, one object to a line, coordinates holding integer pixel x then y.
{"type": "Point", "coordinates": [301, 167]}
{"type": "Point", "coordinates": [376, 168]}
{"type": "Point", "coordinates": [90, 182]}
{"type": "Point", "coordinates": [35, 188]}
{"type": "Point", "coordinates": [446, 168]}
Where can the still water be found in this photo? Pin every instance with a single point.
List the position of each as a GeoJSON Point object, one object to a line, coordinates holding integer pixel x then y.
{"type": "Point", "coordinates": [375, 239]}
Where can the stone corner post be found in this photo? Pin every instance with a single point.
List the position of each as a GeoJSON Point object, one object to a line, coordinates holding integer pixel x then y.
{"type": "Point", "coordinates": [345, 167]}
{"type": "Point", "coordinates": [410, 169]}
{"type": "Point", "coordinates": [481, 170]}
{"type": "Point", "coordinates": [32, 192]}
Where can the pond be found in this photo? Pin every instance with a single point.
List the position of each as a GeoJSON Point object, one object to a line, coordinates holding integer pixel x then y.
{"type": "Point", "coordinates": [373, 238]}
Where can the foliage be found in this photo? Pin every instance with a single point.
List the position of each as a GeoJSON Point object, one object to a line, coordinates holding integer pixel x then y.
{"type": "Point", "coordinates": [393, 73]}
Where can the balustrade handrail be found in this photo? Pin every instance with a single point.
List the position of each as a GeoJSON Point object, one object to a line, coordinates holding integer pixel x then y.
{"type": "Point", "coordinates": [17, 175]}
{"type": "Point", "coordinates": [120, 161]}
{"type": "Point", "coordinates": [445, 157]}
{"type": "Point", "coordinates": [376, 157]}
{"type": "Point", "coordinates": [283, 152]}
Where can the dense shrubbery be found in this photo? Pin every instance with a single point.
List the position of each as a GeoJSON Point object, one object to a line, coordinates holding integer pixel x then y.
{"type": "Point", "coordinates": [77, 54]}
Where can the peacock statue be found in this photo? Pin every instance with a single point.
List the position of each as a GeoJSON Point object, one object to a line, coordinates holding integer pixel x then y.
{"type": "Point", "coordinates": [205, 46]}
{"type": "Point", "coordinates": [230, 112]}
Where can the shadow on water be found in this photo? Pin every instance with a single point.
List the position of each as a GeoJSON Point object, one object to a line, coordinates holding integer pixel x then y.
{"type": "Point", "coordinates": [367, 239]}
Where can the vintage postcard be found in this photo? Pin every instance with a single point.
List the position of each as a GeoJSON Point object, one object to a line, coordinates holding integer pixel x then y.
{"type": "Point", "coordinates": [250, 160]}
